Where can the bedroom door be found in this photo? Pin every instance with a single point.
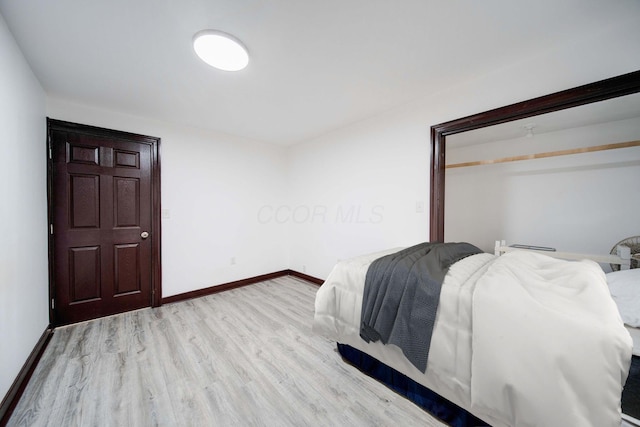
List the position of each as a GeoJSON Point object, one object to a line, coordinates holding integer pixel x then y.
{"type": "Point", "coordinates": [103, 228]}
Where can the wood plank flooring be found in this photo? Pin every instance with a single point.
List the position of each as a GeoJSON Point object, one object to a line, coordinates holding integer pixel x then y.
{"type": "Point", "coordinates": [245, 357]}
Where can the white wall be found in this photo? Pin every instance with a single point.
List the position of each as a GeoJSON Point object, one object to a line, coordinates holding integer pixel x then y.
{"type": "Point", "coordinates": [24, 285]}
{"type": "Point", "coordinates": [213, 186]}
{"type": "Point", "coordinates": [580, 203]}
{"type": "Point", "coordinates": [384, 161]}
{"type": "Point", "coordinates": [367, 180]}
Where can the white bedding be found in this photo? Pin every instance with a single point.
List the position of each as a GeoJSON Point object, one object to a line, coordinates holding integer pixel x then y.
{"type": "Point", "coordinates": [625, 290]}
{"type": "Point", "coordinates": [635, 336]}
{"type": "Point", "coordinates": [520, 340]}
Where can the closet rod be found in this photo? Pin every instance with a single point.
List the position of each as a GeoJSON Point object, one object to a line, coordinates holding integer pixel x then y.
{"type": "Point", "coordinates": [547, 154]}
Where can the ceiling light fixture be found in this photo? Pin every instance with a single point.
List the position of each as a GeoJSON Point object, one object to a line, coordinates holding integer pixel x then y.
{"type": "Point", "coordinates": [220, 50]}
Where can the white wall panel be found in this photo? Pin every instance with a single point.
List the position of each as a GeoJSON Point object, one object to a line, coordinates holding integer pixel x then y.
{"type": "Point", "coordinates": [24, 287]}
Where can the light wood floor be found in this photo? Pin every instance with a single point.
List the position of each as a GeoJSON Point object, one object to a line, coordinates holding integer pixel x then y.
{"type": "Point", "coordinates": [238, 358]}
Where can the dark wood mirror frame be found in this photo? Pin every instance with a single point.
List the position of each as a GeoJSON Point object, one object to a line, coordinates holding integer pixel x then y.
{"type": "Point", "coordinates": [625, 84]}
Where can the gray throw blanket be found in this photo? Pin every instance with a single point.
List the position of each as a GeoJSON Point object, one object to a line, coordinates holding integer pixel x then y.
{"type": "Point", "coordinates": [401, 295]}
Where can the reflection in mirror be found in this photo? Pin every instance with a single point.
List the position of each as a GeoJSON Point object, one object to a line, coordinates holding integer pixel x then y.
{"type": "Point", "coordinates": [573, 201]}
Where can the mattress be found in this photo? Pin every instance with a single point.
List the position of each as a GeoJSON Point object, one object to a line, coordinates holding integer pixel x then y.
{"type": "Point", "coordinates": [496, 315]}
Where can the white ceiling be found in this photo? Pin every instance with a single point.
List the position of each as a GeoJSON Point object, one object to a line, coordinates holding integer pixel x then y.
{"type": "Point", "coordinates": [315, 65]}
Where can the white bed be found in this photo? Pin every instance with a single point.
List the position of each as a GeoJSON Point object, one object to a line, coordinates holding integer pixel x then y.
{"type": "Point", "coordinates": [519, 340]}
{"type": "Point", "coordinates": [625, 290]}
{"type": "Point", "coordinates": [635, 336]}
{"type": "Point", "coordinates": [624, 285]}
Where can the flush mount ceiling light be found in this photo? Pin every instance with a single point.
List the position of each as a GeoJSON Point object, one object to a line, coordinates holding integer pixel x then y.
{"type": "Point", "coordinates": [220, 50]}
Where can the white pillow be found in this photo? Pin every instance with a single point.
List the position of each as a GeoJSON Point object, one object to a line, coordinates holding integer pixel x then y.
{"type": "Point", "coordinates": [625, 290]}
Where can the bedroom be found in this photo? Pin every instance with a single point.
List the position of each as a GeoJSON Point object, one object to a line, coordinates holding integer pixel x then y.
{"type": "Point", "coordinates": [396, 141]}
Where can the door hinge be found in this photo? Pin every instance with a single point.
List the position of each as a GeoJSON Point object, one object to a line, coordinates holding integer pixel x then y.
{"type": "Point", "coordinates": [53, 304]}
{"type": "Point", "coordinates": [51, 228]}
{"type": "Point", "coordinates": [50, 150]}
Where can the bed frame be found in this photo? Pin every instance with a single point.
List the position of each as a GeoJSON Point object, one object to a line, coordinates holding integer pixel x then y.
{"type": "Point", "coordinates": [622, 258]}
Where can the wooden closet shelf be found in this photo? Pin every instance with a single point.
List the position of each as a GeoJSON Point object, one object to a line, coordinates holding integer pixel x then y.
{"type": "Point", "coordinates": [547, 154]}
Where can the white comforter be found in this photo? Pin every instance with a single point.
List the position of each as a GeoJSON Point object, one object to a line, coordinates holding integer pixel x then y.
{"type": "Point", "coordinates": [520, 340]}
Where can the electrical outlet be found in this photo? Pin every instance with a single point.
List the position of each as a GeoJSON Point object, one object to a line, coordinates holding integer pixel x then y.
{"type": "Point", "coordinates": [233, 261]}
{"type": "Point", "coordinates": [304, 268]}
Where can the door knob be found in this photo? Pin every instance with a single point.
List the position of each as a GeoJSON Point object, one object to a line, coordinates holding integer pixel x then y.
{"type": "Point", "coordinates": [144, 234]}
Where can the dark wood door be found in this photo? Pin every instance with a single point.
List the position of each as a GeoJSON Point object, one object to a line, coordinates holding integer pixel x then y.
{"type": "Point", "coordinates": [102, 218]}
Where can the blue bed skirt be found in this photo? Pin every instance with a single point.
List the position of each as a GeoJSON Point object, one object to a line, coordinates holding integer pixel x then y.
{"type": "Point", "coordinates": [433, 403]}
